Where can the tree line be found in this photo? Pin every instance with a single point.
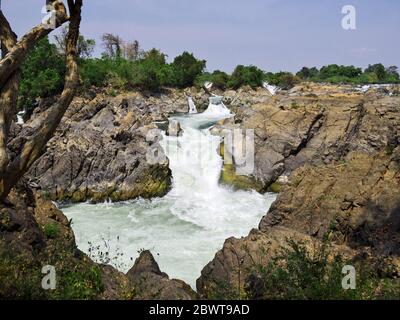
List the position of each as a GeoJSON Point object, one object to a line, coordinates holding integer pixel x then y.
{"type": "Point", "coordinates": [126, 66]}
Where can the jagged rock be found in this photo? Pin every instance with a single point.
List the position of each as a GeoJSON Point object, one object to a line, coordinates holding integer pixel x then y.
{"type": "Point", "coordinates": [356, 202]}
{"type": "Point", "coordinates": [292, 131]}
{"type": "Point", "coordinates": [150, 283]}
{"type": "Point", "coordinates": [232, 267]}
{"type": "Point", "coordinates": [340, 151]}
{"type": "Point", "coordinates": [100, 151]}
{"type": "Point", "coordinates": [33, 234]}
{"type": "Point", "coordinates": [174, 128]}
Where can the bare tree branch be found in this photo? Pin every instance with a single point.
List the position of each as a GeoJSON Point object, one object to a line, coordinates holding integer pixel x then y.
{"type": "Point", "coordinates": [35, 146]}
{"type": "Point", "coordinates": [14, 58]}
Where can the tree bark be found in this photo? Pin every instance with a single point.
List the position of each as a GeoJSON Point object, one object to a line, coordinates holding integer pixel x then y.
{"type": "Point", "coordinates": [35, 146]}
{"type": "Point", "coordinates": [9, 94]}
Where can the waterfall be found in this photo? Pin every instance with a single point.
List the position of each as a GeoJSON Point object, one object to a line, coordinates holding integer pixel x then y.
{"type": "Point", "coordinates": [20, 119]}
{"type": "Point", "coordinates": [192, 106]}
{"type": "Point", "coordinates": [271, 89]}
{"type": "Point", "coordinates": [186, 227]}
{"type": "Point", "coordinates": [208, 85]}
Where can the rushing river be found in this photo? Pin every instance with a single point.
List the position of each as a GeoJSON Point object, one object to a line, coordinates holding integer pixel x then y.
{"type": "Point", "coordinates": [188, 226]}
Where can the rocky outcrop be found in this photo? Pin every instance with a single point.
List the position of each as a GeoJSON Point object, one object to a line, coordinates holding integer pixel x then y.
{"type": "Point", "coordinates": [150, 283]}
{"type": "Point", "coordinates": [298, 128]}
{"type": "Point", "coordinates": [100, 151]}
{"type": "Point", "coordinates": [230, 270]}
{"type": "Point", "coordinates": [174, 128]}
{"type": "Point", "coordinates": [354, 202]}
{"type": "Point", "coordinates": [341, 151]}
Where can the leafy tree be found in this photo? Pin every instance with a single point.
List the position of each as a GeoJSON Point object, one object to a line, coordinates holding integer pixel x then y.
{"type": "Point", "coordinates": [185, 70]}
{"type": "Point", "coordinates": [307, 73]}
{"type": "Point", "coordinates": [219, 79]}
{"type": "Point", "coordinates": [42, 74]}
{"type": "Point", "coordinates": [148, 73]}
{"type": "Point", "coordinates": [378, 69]}
{"type": "Point", "coordinates": [285, 80]}
{"type": "Point", "coordinates": [334, 70]}
{"type": "Point", "coordinates": [246, 75]}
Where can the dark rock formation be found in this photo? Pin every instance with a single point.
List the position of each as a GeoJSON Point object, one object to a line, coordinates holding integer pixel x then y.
{"type": "Point", "coordinates": [150, 283]}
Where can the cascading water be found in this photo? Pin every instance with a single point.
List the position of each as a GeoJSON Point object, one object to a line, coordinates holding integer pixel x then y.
{"type": "Point", "coordinates": [192, 106]}
{"type": "Point", "coordinates": [271, 89]}
{"type": "Point", "coordinates": [20, 119]}
{"type": "Point", "coordinates": [185, 228]}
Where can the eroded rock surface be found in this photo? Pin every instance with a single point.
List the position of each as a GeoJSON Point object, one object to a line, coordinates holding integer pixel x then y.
{"type": "Point", "coordinates": [341, 151]}
{"type": "Point", "coordinates": [100, 152]}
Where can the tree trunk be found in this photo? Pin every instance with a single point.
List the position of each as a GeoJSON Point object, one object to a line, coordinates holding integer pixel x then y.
{"type": "Point", "coordinates": [35, 146]}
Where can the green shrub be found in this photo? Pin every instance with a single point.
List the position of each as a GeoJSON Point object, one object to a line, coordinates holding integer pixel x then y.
{"type": "Point", "coordinates": [246, 75]}
{"type": "Point", "coordinates": [296, 273]}
{"type": "Point", "coordinates": [80, 284]}
{"type": "Point", "coordinates": [219, 79]}
{"type": "Point", "coordinates": [284, 80]}
{"type": "Point", "coordinates": [185, 69]}
{"type": "Point", "coordinates": [51, 230]}
{"type": "Point", "coordinates": [42, 74]}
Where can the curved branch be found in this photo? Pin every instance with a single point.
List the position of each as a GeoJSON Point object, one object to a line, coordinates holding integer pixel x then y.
{"type": "Point", "coordinates": [35, 146]}
{"type": "Point", "coordinates": [14, 58]}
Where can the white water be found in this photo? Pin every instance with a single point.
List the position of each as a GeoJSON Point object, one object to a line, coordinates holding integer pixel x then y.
{"type": "Point", "coordinates": [208, 85]}
{"type": "Point", "coordinates": [188, 226]}
{"type": "Point", "coordinates": [192, 106]}
{"type": "Point", "coordinates": [20, 119]}
{"type": "Point", "coordinates": [271, 89]}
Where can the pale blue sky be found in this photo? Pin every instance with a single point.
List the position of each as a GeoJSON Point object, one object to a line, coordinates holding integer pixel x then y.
{"type": "Point", "coordinates": [272, 34]}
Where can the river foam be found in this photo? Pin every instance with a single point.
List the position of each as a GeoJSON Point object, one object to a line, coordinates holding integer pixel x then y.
{"type": "Point", "coordinates": [185, 228]}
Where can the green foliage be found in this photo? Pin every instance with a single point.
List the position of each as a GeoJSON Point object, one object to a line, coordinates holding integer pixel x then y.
{"type": "Point", "coordinates": [51, 230]}
{"type": "Point", "coordinates": [19, 278]}
{"type": "Point", "coordinates": [81, 283]}
{"type": "Point", "coordinates": [219, 79]}
{"type": "Point", "coordinates": [42, 74]}
{"type": "Point", "coordinates": [334, 70]}
{"type": "Point", "coordinates": [185, 69]}
{"type": "Point", "coordinates": [44, 70]}
{"type": "Point", "coordinates": [296, 273]}
{"type": "Point", "coordinates": [284, 80]}
{"type": "Point", "coordinates": [334, 73]}
{"type": "Point", "coordinates": [307, 73]}
{"type": "Point", "coordinates": [246, 75]}
{"type": "Point", "coordinates": [147, 73]}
